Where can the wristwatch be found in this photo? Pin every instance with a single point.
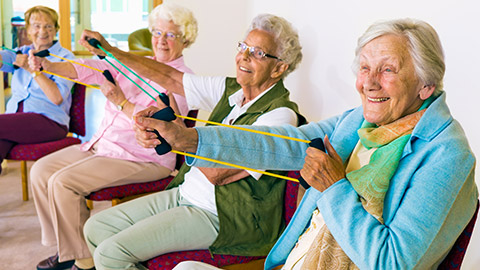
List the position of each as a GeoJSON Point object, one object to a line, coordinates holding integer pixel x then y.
{"type": "Point", "coordinates": [35, 74]}
{"type": "Point", "coordinates": [120, 106]}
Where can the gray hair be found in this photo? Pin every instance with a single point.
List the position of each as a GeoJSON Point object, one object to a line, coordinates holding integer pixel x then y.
{"type": "Point", "coordinates": [285, 36]}
{"type": "Point", "coordinates": [180, 16]}
{"type": "Point", "coordinates": [423, 45]}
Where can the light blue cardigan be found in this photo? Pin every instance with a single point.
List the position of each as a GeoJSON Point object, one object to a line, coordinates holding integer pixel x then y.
{"type": "Point", "coordinates": [431, 197]}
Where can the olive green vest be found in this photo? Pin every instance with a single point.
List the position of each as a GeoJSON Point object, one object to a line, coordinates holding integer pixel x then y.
{"type": "Point", "coordinates": [250, 211]}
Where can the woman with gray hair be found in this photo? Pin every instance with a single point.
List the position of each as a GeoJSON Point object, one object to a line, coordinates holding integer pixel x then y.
{"type": "Point", "coordinates": [61, 180]}
{"type": "Point", "coordinates": [394, 188]}
{"type": "Point", "coordinates": [199, 210]}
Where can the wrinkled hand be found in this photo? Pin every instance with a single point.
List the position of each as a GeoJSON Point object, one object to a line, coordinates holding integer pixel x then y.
{"type": "Point", "coordinates": [34, 62]}
{"type": "Point", "coordinates": [178, 136]}
{"type": "Point", "coordinates": [321, 170]}
{"type": "Point", "coordinates": [21, 60]}
{"type": "Point", "coordinates": [112, 91]}
{"type": "Point", "coordinates": [87, 35]}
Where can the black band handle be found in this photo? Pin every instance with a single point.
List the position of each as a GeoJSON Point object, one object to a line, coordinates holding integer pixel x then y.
{"type": "Point", "coordinates": [108, 76]}
{"type": "Point", "coordinates": [316, 143]}
{"type": "Point", "coordinates": [164, 98]}
{"type": "Point", "coordinates": [96, 44]}
{"type": "Point", "coordinates": [43, 53]}
{"type": "Point", "coordinates": [15, 66]}
{"type": "Point", "coordinates": [165, 114]}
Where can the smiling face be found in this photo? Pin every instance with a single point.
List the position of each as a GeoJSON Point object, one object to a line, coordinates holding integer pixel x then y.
{"type": "Point", "coordinates": [258, 74]}
{"type": "Point", "coordinates": [166, 49]}
{"type": "Point", "coordinates": [41, 31]}
{"type": "Point", "coordinates": [387, 82]}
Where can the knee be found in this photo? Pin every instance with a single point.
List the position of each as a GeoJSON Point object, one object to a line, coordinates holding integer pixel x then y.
{"type": "Point", "coordinates": [110, 254]}
{"type": "Point", "coordinates": [39, 174]}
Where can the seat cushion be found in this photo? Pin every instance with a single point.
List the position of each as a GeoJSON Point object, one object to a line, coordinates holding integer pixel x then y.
{"type": "Point", "coordinates": [110, 193]}
{"type": "Point", "coordinates": [37, 150]}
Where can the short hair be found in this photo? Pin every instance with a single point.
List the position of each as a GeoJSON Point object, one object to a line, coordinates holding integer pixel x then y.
{"type": "Point", "coordinates": [42, 9]}
{"type": "Point", "coordinates": [180, 16]}
{"type": "Point", "coordinates": [285, 36]}
{"type": "Point", "coordinates": [423, 45]}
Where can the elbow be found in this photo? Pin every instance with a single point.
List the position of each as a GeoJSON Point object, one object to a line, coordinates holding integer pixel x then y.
{"type": "Point", "coordinates": [57, 101]}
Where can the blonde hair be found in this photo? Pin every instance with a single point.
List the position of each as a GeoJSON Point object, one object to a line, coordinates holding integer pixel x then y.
{"type": "Point", "coordinates": [180, 16]}
{"type": "Point", "coordinates": [51, 13]}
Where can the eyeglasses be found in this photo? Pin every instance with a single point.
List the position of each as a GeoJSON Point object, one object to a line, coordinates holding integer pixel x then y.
{"type": "Point", "coordinates": [254, 51]}
{"type": "Point", "coordinates": [168, 35]}
{"type": "Point", "coordinates": [47, 27]}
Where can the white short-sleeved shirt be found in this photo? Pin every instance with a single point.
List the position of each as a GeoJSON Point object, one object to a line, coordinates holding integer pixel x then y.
{"type": "Point", "coordinates": [203, 93]}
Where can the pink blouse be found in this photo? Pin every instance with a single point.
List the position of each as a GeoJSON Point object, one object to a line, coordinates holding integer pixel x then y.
{"type": "Point", "coordinates": [115, 137]}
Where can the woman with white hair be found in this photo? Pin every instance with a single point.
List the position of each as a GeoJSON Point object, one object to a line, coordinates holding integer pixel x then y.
{"type": "Point", "coordinates": [61, 180]}
{"type": "Point", "coordinates": [394, 188]}
{"type": "Point", "coordinates": [228, 211]}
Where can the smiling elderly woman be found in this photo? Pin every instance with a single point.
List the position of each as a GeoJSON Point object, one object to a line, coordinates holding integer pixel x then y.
{"type": "Point", "coordinates": [38, 110]}
{"type": "Point", "coordinates": [396, 186]}
{"type": "Point", "coordinates": [61, 180]}
{"type": "Point", "coordinates": [199, 210]}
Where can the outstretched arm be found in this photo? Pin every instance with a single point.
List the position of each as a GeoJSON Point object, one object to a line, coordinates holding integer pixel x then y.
{"type": "Point", "coordinates": [168, 77]}
{"type": "Point", "coordinates": [65, 69]}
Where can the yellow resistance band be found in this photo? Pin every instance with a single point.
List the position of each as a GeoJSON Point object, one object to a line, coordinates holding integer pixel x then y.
{"type": "Point", "coordinates": [235, 166]}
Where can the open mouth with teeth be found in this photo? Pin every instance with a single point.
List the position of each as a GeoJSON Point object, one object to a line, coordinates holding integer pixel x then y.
{"type": "Point", "coordinates": [244, 69]}
{"type": "Point", "coordinates": [378, 99]}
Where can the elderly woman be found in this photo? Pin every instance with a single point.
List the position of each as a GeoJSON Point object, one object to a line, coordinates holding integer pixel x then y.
{"type": "Point", "coordinates": [199, 210]}
{"type": "Point", "coordinates": [395, 187]}
{"type": "Point", "coordinates": [61, 181]}
{"type": "Point", "coordinates": [38, 110]}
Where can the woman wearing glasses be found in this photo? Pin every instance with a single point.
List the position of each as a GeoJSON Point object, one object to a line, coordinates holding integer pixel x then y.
{"type": "Point", "coordinates": [38, 110]}
{"type": "Point", "coordinates": [61, 180]}
{"type": "Point", "coordinates": [228, 211]}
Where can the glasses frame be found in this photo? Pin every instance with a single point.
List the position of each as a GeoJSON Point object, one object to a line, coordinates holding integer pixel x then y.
{"type": "Point", "coordinates": [172, 36]}
{"type": "Point", "coordinates": [251, 51]}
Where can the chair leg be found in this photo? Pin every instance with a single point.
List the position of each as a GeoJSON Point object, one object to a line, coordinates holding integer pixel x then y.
{"type": "Point", "coordinates": [90, 204]}
{"type": "Point", "coordinates": [23, 169]}
{"type": "Point", "coordinates": [116, 201]}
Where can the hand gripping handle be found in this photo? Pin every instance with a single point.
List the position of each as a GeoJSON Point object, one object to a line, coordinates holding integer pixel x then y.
{"type": "Point", "coordinates": [316, 143]}
{"type": "Point", "coordinates": [165, 114]}
{"type": "Point", "coordinates": [96, 44]}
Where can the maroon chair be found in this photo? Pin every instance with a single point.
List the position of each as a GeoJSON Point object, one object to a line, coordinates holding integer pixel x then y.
{"type": "Point", "coordinates": [170, 260]}
{"type": "Point", "coordinates": [32, 152]}
{"type": "Point", "coordinates": [454, 258]}
{"type": "Point", "coordinates": [119, 194]}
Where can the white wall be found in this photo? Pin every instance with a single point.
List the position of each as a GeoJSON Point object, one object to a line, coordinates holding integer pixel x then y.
{"type": "Point", "coordinates": [323, 85]}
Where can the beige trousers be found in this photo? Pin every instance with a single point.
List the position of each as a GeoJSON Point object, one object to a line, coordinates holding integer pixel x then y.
{"type": "Point", "coordinates": [60, 182]}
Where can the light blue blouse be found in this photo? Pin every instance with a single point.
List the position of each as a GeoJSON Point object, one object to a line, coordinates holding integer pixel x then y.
{"type": "Point", "coordinates": [431, 197]}
{"type": "Point", "coordinates": [25, 88]}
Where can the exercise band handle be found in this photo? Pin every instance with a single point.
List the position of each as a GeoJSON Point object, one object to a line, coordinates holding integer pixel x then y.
{"type": "Point", "coordinates": [96, 44]}
{"type": "Point", "coordinates": [165, 114]}
{"type": "Point", "coordinates": [108, 76]}
{"type": "Point", "coordinates": [316, 143]}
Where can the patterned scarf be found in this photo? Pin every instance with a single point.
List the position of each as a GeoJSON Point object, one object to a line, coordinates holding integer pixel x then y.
{"type": "Point", "coordinates": [371, 183]}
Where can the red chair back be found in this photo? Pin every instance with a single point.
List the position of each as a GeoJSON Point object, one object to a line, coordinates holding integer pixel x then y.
{"type": "Point", "coordinates": [454, 258]}
{"type": "Point", "coordinates": [77, 110]}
